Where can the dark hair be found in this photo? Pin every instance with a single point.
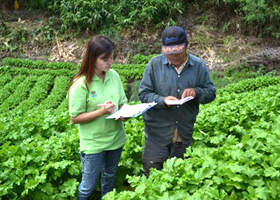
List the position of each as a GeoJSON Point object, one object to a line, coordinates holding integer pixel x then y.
{"type": "Point", "coordinates": [97, 46]}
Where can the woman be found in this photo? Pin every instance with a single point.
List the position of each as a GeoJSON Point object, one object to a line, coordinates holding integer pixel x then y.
{"type": "Point", "coordinates": [94, 93]}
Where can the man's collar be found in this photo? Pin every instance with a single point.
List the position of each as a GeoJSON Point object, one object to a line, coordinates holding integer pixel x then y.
{"type": "Point", "coordinates": [165, 60]}
{"type": "Point", "coordinates": [181, 66]}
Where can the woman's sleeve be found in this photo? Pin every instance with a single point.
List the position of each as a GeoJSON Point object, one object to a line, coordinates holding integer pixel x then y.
{"type": "Point", "coordinates": [123, 98]}
{"type": "Point", "coordinates": [77, 99]}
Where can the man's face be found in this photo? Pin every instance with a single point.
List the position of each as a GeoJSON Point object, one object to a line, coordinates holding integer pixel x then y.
{"type": "Point", "coordinates": [177, 59]}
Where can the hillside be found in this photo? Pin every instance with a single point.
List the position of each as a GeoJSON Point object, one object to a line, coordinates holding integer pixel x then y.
{"type": "Point", "coordinates": [35, 36]}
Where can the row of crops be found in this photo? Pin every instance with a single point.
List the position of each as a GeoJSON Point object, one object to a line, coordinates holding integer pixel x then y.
{"type": "Point", "coordinates": [235, 155]}
{"type": "Point", "coordinates": [39, 146]}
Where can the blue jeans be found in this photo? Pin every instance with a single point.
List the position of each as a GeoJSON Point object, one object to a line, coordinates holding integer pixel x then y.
{"type": "Point", "coordinates": [92, 165]}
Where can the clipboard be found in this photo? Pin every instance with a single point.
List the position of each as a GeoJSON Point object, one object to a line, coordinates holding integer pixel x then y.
{"type": "Point", "coordinates": [128, 111]}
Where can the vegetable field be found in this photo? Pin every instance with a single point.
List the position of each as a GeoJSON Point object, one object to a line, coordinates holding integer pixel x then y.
{"type": "Point", "coordinates": [235, 154]}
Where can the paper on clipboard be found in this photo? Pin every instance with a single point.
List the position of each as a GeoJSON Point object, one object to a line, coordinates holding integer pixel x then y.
{"type": "Point", "coordinates": [128, 111]}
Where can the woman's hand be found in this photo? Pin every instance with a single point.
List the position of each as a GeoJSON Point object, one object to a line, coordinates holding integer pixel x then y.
{"type": "Point", "coordinates": [121, 118]}
{"type": "Point", "coordinates": [107, 108]}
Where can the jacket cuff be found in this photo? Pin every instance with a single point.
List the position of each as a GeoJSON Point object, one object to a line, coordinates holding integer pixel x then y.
{"type": "Point", "coordinates": [161, 102]}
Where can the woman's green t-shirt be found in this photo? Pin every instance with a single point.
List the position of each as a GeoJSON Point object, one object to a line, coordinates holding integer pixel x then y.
{"type": "Point", "coordinates": [100, 134]}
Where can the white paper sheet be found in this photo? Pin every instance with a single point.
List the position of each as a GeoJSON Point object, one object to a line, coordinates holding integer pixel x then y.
{"type": "Point", "coordinates": [178, 102]}
{"type": "Point", "coordinates": [128, 111]}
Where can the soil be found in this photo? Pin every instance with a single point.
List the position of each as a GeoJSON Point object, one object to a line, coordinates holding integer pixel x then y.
{"type": "Point", "coordinates": [206, 40]}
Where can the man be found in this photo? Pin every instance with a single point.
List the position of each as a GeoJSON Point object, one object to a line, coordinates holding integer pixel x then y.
{"type": "Point", "coordinates": [173, 75]}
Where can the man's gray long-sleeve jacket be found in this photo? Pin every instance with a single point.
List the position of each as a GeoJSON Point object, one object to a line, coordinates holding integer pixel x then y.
{"type": "Point", "coordinates": [161, 80]}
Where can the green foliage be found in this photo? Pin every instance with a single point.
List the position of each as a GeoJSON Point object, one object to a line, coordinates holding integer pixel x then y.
{"type": "Point", "coordinates": [12, 39]}
{"type": "Point", "coordinates": [130, 71]}
{"type": "Point", "coordinates": [20, 94]}
{"type": "Point", "coordinates": [131, 156]}
{"type": "Point", "coordinates": [39, 92]}
{"type": "Point", "coordinates": [3, 27]}
{"type": "Point", "coordinates": [235, 153]}
{"type": "Point", "coordinates": [45, 5]}
{"type": "Point", "coordinates": [235, 74]}
{"type": "Point", "coordinates": [17, 66]}
{"type": "Point", "coordinates": [39, 156]}
{"type": "Point", "coordinates": [57, 94]}
{"type": "Point", "coordinates": [251, 84]}
{"type": "Point", "coordinates": [5, 78]}
{"type": "Point", "coordinates": [226, 26]}
{"type": "Point", "coordinates": [259, 16]}
{"type": "Point", "coordinates": [10, 87]}
{"type": "Point", "coordinates": [9, 40]}
{"type": "Point", "coordinates": [84, 14]}
{"type": "Point", "coordinates": [149, 12]}
{"type": "Point", "coordinates": [134, 90]}
{"type": "Point", "coordinates": [141, 59]}
{"type": "Point", "coordinates": [27, 63]}
{"type": "Point", "coordinates": [44, 166]}
{"type": "Point", "coordinates": [44, 34]}
{"type": "Point", "coordinates": [36, 167]}
{"type": "Point", "coordinates": [131, 163]}
{"type": "Point", "coordinates": [37, 72]}
{"type": "Point", "coordinates": [93, 14]}
{"type": "Point", "coordinates": [35, 162]}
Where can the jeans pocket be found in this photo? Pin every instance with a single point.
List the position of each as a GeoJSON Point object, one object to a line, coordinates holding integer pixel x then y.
{"type": "Point", "coordinates": [83, 155]}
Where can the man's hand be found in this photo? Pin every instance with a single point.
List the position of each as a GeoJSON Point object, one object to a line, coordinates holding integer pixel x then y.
{"type": "Point", "coordinates": [188, 92]}
{"type": "Point", "coordinates": [170, 98]}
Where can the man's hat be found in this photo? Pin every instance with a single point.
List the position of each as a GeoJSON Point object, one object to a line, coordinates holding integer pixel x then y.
{"type": "Point", "coordinates": [173, 40]}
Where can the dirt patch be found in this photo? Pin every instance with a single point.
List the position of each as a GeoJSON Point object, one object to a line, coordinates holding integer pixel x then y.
{"type": "Point", "coordinates": [67, 51]}
{"type": "Point", "coordinates": [268, 59]}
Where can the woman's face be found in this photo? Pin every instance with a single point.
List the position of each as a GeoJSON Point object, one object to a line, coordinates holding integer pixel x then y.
{"type": "Point", "coordinates": [103, 65]}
